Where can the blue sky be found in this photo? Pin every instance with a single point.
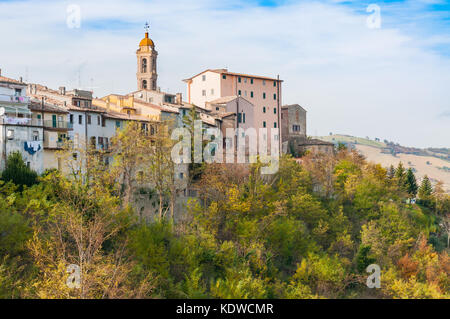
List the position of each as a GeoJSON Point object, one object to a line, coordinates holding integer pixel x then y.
{"type": "Point", "coordinates": [391, 82]}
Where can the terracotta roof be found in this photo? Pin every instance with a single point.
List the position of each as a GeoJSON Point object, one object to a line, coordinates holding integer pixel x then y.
{"type": "Point", "coordinates": [311, 141]}
{"type": "Point", "coordinates": [164, 108]}
{"type": "Point", "coordinates": [85, 109]}
{"type": "Point", "coordinates": [222, 115]}
{"type": "Point", "coordinates": [225, 71]}
{"type": "Point", "coordinates": [8, 80]}
{"type": "Point", "coordinates": [224, 99]}
{"type": "Point", "coordinates": [126, 117]}
{"type": "Point", "coordinates": [37, 106]}
{"type": "Point", "coordinates": [292, 105]}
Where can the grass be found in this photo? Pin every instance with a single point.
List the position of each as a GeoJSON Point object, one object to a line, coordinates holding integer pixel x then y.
{"type": "Point", "coordinates": [351, 139]}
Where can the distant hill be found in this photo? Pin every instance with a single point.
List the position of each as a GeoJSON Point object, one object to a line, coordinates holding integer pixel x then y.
{"type": "Point", "coordinates": [434, 162]}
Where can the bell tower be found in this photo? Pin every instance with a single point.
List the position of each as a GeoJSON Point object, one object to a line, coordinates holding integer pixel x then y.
{"type": "Point", "coordinates": [146, 63]}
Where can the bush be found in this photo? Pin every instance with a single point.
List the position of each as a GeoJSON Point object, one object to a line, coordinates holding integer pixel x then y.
{"type": "Point", "coordinates": [17, 172]}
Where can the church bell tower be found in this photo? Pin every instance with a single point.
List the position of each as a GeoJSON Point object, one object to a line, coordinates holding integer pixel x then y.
{"type": "Point", "coordinates": [146, 64]}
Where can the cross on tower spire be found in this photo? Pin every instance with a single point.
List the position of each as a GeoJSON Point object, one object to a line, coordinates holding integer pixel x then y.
{"type": "Point", "coordinates": [146, 27]}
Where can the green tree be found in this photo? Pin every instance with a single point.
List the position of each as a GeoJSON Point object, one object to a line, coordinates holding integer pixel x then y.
{"type": "Point", "coordinates": [425, 190]}
{"type": "Point", "coordinates": [400, 175]}
{"type": "Point", "coordinates": [195, 169]}
{"type": "Point", "coordinates": [411, 183]}
{"type": "Point", "coordinates": [17, 172]}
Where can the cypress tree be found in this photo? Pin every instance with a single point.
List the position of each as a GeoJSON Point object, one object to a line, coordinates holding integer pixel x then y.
{"type": "Point", "coordinates": [411, 183]}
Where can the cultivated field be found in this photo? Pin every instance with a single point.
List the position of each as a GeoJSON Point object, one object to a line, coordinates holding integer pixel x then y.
{"type": "Point", "coordinates": [419, 163]}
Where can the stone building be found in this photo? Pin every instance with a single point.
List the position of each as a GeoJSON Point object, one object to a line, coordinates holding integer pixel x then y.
{"type": "Point", "coordinates": [293, 132]}
{"type": "Point", "coordinates": [293, 121]}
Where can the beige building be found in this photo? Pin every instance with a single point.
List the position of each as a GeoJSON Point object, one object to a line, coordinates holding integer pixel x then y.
{"type": "Point", "coordinates": [55, 121]}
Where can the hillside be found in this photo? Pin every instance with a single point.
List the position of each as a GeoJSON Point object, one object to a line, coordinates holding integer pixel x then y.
{"type": "Point", "coordinates": [432, 162]}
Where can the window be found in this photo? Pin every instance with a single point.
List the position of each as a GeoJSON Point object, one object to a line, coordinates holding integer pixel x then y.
{"type": "Point", "coordinates": [274, 83]}
{"type": "Point", "coordinates": [154, 84]}
{"type": "Point", "coordinates": [89, 119]}
{"type": "Point", "coordinates": [264, 109]}
{"type": "Point", "coordinates": [251, 94]}
{"type": "Point", "coordinates": [264, 82]}
{"type": "Point", "coordinates": [245, 80]}
{"type": "Point", "coordinates": [10, 134]}
{"type": "Point", "coordinates": [103, 122]}
{"type": "Point", "coordinates": [251, 81]}
{"type": "Point", "coordinates": [212, 91]}
{"type": "Point", "coordinates": [245, 93]}
{"type": "Point", "coordinates": [217, 108]}
{"type": "Point", "coordinates": [181, 175]}
{"type": "Point", "coordinates": [86, 103]}
{"type": "Point", "coordinates": [204, 93]}
{"type": "Point", "coordinates": [274, 96]}
{"type": "Point", "coordinates": [203, 78]}
{"type": "Point", "coordinates": [80, 119]}
{"type": "Point", "coordinates": [274, 110]}
{"type": "Point", "coordinates": [144, 84]}
{"type": "Point", "coordinates": [39, 116]}
{"type": "Point", "coordinates": [239, 117]}
{"type": "Point", "coordinates": [239, 79]}
{"type": "Point", "coordinates": [71, 118]}
{"type": "Point", "coordinates": [264, 124]}
{"type": "Point", "coordinates": [35, 135]}
{"type": "Point", "coordinates": [117, 124]}
{"type": "Point", "coordinates": [224, 77]}
{"type": "Point", "coordinates": [18, 92]}
{"type": "Point", "coordinates": [244, 117]}
{"type": "Point", "coordinates": [275, 124]}
{"type": "Point", "coordinates": [264, 95]}
{"type": "Point", "coordinates": [239, 93]}
{"type": "Point", "coordinates": [98, 119]}
{"type": "Point", "coordinates": [144, 65]}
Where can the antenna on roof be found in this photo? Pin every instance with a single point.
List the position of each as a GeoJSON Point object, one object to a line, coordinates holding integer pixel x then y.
{"type": "Point", "coordinates": [146, 27]}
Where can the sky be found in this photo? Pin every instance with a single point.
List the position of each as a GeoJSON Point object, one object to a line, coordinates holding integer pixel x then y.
{"type": "Point", "coordinates": [355, 73]}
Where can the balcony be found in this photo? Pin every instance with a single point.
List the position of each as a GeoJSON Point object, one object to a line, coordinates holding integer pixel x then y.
{"type": "Point", "coordinates": [25, 121]}
{"type": "Point", "coordinates": [14, 99]}
{"type": "Point", "coordinates": [64, 125]}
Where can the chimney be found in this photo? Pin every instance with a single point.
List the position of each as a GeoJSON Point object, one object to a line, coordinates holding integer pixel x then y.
{"type": "Point", "coordinates": [179, 99]}
{"type": "Point", "coordinates": [20, 80]}
{"type": "Point", "coordinates": [62, 90]}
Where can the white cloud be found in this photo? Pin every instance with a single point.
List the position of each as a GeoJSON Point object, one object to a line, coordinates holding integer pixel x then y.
{"type": "Point", "coordinates": [383, 83]}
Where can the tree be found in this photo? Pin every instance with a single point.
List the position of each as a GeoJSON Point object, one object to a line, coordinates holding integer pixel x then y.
{"type": "Point", "coordinates": [17, 172]}
{"type": "Point", "coordinates": [391, 172]}
{"type": "Point", "coordinates": [160, 169]}
{"type": "Point", "coordinates": [400, 175]}
{"type": "Point", "coordinates": [195, 169]}
{"type": "Point", "coordinates": [130, 150]}
{"type": "Point", "coordinates": [425, 191]}
{"type": "Point", "coordinates": [411, 183]}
